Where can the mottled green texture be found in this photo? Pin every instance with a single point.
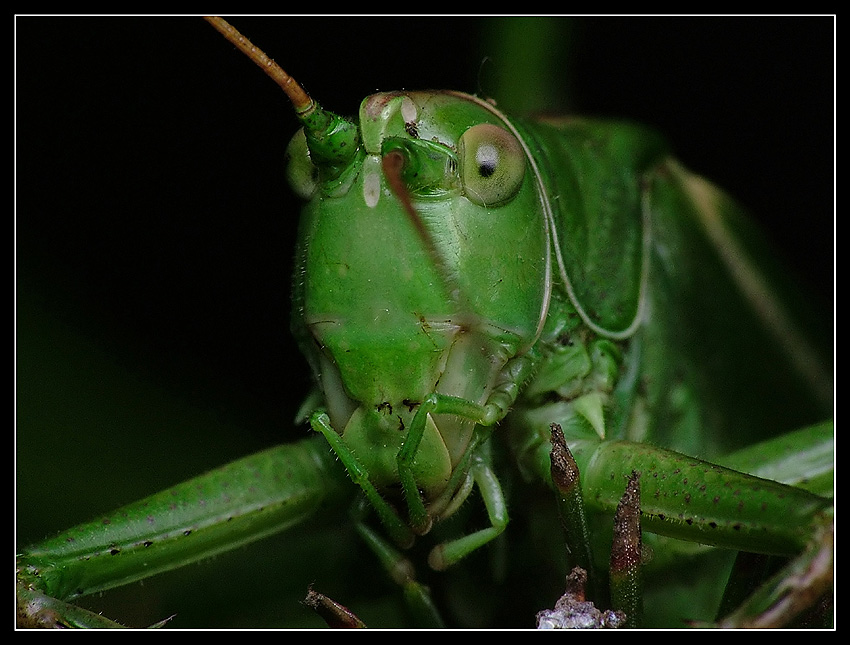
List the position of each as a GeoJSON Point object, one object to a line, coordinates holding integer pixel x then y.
{"type": "Point", "coordinates": [593, 173]}
{"type": "Point", "coordinates": [687, 498]}
{"type": "Point", "coordinates": [235, 504]}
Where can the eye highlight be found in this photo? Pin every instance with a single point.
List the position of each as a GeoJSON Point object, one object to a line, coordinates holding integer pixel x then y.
{"type": "Point", "coordinates": [487, 160]}
{"type": "Point", "coordinates": [492, 164]}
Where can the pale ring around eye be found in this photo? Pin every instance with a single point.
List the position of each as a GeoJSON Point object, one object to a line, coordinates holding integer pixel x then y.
{"type": "Point", "coordinates": [492, 164]}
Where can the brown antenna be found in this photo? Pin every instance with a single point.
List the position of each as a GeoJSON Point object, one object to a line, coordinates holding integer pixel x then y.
{"type": "Point", "coordinates": [300, 99]}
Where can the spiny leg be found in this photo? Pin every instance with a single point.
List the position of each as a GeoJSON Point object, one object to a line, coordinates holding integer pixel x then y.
{"type": "Point", "coordinates": [445, 555]}
{"type": "Point", "coordinates": [416, 595]}
{"type": "Point", "coordinates": [36, 610]}
{"type": "Point", "coordinates": [503, 396]}
{"type": "Point", "coordinates": [420, 520]}
{"type": "Point", "coordinates": [396, 527]}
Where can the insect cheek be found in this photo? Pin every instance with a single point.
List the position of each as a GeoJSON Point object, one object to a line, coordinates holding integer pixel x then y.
{"type": "Point", "coordinates": [492, 164]}
{"type": "Point", "coordinates": [301, 173]}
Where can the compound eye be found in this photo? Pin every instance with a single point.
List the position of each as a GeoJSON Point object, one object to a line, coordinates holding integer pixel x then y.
{"type": "Point", "coordinates": [492, 164]}
{"type": "Point", "coordinates": [301, 173]}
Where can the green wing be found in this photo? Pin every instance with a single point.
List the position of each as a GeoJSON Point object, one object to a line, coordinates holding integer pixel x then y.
{"type": "Point", "coordinates": [593, 176]}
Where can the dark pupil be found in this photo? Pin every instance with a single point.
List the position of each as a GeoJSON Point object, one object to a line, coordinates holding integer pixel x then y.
{"type": "Point", "coordinates": [487, 168]}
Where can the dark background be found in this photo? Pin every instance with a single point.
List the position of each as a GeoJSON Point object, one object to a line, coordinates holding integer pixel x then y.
{"type": "Point", "coordinates": [154, 231]}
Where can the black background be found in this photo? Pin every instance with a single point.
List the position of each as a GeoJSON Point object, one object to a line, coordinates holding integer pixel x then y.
{"type": "Point", "coordinates": [154, 228]}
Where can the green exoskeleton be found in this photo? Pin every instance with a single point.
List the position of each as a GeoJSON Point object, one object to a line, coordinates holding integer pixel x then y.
{"type": "Point", "coordinates": [463, 280]}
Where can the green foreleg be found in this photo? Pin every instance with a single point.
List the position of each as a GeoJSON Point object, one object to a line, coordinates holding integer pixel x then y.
{"type": "Point", "coordinates": [395, 526]}
{"type": "Point", "coordinates": [236, 504]}
{"type": "Point", "coordinates": [416, 595]}
{"type": "Point", "coordinates": [444, 555]}
{"type": "Point", "coordinates": [420, 519]}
